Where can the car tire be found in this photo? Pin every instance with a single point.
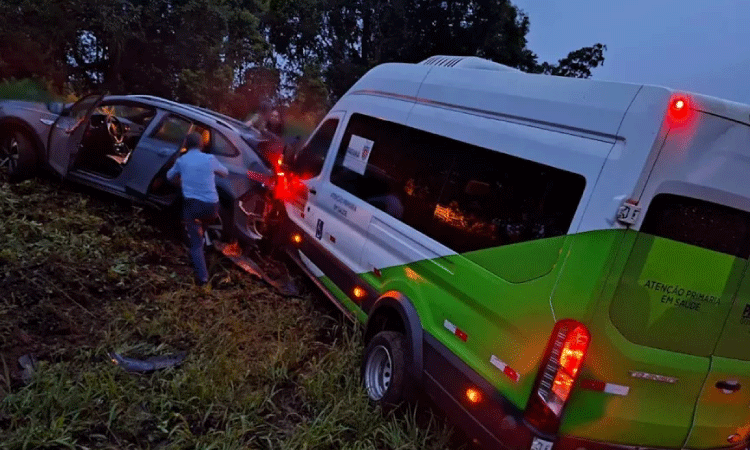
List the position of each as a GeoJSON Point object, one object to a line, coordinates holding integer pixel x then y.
{"type": "Point", "coordinates": [384, 369]}
{"type": "Point", "coordinates": [18, 156]}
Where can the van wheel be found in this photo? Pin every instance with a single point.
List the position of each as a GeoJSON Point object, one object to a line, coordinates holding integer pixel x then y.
{"type": "Point", "coordinates": [384, 369]}
{"type": "Point", "coordinates": [18, 158]}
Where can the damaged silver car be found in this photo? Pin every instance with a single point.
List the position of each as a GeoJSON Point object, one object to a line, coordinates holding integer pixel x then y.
{"type": "Point", "coordinates": [124, 145]}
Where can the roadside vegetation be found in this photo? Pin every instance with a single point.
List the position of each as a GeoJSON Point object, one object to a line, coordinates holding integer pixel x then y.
{"type": "Point", "coordinates": [83, 275]}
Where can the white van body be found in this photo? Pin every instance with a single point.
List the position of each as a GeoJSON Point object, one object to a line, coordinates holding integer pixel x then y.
{"type": "Point", "coordinates": [623, 145]}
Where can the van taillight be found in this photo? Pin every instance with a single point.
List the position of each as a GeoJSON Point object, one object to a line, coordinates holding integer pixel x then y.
{"type": "Point", "coordinates": [558, 373]}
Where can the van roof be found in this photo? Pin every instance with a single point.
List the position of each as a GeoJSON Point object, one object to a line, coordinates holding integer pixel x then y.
{"type": "Point", "coordinates": [483, 87]}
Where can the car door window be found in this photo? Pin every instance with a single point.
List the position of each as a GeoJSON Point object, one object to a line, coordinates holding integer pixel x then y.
{"type": "Point", "coordinates": [79, 110]}
{"type": "Point", "coordinates": [309, 161]}
{"type": "Point", "coordinates": [172, 130]}
{"type": "Point", "coordinates": [221, 146]}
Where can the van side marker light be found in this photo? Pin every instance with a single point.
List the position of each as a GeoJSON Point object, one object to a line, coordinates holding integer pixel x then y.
{"type": "Point", "coordinates": [607, 388]}
{"type": "Point", "coordinates": [456, 331]}
{"type": "Point", "coordinates": [506, 369]}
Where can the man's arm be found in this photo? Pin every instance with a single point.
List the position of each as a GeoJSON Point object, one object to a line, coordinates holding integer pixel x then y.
{"type": "Point", "coordinates": [219, 168]}
{"type": "Point", "coordinates": [173, 172]}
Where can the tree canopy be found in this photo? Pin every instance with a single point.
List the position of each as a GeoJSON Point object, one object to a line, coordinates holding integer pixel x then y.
{"type": "Point", "coordinates": [231, 54]}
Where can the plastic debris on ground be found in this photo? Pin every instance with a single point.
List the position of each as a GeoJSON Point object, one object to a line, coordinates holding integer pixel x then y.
{"type": "Point", "coordinates": [148, 365]}
{"type": "Point", "coordinates": [284, 284]}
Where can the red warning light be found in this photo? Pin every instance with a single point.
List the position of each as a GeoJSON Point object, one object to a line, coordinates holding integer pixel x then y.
{"type": "Point", "coordinates": [679, 110]}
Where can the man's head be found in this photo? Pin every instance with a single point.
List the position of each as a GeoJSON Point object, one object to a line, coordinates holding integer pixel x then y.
{"type": "Point", "coordinates": [275, 117]}
{"type": "Point", "coordinates": [193, 140]}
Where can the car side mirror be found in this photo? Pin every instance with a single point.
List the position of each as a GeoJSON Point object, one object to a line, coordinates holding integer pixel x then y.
{"type": "Point", "coordinates": [57, 108]}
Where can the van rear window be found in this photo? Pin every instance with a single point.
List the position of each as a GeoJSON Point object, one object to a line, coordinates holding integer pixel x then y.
{"type": "Point", "coordinates": [700, 223]}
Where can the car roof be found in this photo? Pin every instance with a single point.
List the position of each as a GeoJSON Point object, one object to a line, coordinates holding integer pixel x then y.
{"type": "Point", "coordinates": [207, 116]}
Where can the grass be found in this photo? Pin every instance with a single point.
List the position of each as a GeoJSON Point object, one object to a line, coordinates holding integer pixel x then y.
{"type": "Point", "coordinates": [83, 275]}
{"type": "Point", "coordinates": [25, 89]}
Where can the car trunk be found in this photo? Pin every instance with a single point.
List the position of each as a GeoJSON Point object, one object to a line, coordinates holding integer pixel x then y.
{"type": "Point", "coordinates": [671, 335]}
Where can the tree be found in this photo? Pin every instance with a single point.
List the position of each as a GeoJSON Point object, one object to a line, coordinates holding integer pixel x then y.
{"type": "Point", "coordinates": [34, 39]}
{"type": "Point", "coordinates": [577, 64]}
{"type": "Point", "coordinates": [348, 37]}
{"type": "Point", "coordinates": [190, 50]}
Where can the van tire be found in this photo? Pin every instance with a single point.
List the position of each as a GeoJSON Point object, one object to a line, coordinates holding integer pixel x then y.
{"type": "Point", "coordinates": [384, 369]}
{"type": "Point", "coordinates": [18, 155]}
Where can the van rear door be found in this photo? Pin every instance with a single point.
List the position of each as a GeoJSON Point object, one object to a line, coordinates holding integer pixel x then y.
{"type": "Point", "coordinates": [722, 415]}
{"type": "Point", "coordinates": [673, 288]}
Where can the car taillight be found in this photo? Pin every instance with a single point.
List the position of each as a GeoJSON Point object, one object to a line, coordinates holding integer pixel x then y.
{"type": "Point", "coordinates": [558, 373]}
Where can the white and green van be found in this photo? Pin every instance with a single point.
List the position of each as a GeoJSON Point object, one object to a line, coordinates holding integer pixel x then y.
{"type": "Point", "coordinates": [558, 263]}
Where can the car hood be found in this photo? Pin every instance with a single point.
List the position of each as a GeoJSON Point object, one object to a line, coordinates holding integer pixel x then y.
{"type": "Point", "coordinates": [6, 106]}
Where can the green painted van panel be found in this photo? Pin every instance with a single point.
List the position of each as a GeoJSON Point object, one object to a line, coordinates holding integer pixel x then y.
{"type": "Point", "coordinates": [735, 339]}
{"type": "Point", "coordinates": [589, 258]}
{"type": "Point", "coordinates": [512, 262]}
{"type": "Point", "coordinates": [500, 318]}
{"type": "Point", "coordinates": [607, 280]}
{"type": "Point", "coordinates": [720, 415]}
{"type": "Point", "coordinates": [674, 296]}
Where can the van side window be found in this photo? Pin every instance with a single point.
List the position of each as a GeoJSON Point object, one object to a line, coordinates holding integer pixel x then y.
{"type": "Point", "coordinates": [493, 199]}
{"type": "Point", "coordinates": [374, 164]}
{"type": "Point", "coordinates": [464, 196]}
{"type": "Point", "coordinates": [309, 161]}
{"type": "Point", "coordinates": [700, 223]}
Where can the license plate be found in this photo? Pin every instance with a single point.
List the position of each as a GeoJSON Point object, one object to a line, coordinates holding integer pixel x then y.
{"type": "Point", "coordinates": [541, 444]}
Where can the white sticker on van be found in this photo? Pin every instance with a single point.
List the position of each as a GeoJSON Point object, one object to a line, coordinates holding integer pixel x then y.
{"type": "Point", "coordinates": [357, 154]}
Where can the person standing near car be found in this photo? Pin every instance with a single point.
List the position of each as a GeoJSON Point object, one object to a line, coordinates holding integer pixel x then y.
{"type": "Point", "coordinates": [197, 172]}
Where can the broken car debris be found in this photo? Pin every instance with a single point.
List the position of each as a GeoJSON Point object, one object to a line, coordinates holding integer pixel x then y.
{"type": "Point", "coordinates": [148, 365]}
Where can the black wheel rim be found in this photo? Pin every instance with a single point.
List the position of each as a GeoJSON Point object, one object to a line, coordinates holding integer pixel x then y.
{"type": "Point", "coordinates": [9, 153]}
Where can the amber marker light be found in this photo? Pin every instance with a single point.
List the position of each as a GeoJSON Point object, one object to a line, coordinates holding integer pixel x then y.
{"type": "Point", "coordinates": [359, 292]}
{"type": "Point", "coordinates": [297, 238]}
{"type": "Point", "coordinates": [474, 396]}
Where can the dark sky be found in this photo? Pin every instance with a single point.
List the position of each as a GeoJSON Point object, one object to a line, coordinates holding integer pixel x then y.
{"type": "Point", "coordinates": [694, 45]}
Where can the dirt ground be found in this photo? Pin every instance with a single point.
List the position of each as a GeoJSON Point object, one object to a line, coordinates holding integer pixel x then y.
{"type": "Point", "coordinates": [68, 256]}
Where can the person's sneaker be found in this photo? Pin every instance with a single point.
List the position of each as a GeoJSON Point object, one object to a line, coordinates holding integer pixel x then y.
{"type": "Point", "coordinates": [203, 288]}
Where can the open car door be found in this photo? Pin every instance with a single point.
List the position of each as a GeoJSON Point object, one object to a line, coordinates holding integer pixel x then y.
{"type": "Point", "coordinates": [67, 133]}
{"type": "Point", "coordinates": [155, 154]}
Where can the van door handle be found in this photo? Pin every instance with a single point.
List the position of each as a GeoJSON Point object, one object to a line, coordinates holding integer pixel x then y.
{"type": "Point", "coordinates": [312, 191]}
{"type": "Point", "coordinates": [728, 387]}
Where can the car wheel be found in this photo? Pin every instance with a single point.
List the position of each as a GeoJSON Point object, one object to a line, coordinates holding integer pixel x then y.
{"type": "Point", "coordinates": [384, 369]}
{"type": "Point", "coordinates": [18, 159]}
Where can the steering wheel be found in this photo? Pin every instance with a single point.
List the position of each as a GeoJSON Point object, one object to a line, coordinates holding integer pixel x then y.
{"type": "Point", "coordinates": [115, 128]}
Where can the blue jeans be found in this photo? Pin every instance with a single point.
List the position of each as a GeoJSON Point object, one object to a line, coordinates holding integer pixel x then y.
{"type": "Point", "coordinates": [194, 213]}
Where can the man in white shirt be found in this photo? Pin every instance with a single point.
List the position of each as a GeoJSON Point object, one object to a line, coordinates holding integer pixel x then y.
{"type": "Point", "coordinates": [197, 174]}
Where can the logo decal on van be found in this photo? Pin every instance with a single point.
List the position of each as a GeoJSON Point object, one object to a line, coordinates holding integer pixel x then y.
{"type": "Point", "coordinates": [653, 377]}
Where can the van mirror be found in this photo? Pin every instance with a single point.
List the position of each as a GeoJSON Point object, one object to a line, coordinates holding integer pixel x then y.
{"type": "Point", "coordinates": [477, 188]}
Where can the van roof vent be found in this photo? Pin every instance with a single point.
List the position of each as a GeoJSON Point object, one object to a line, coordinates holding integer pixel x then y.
{"type": "Point", "coordinates": [466, 62]}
